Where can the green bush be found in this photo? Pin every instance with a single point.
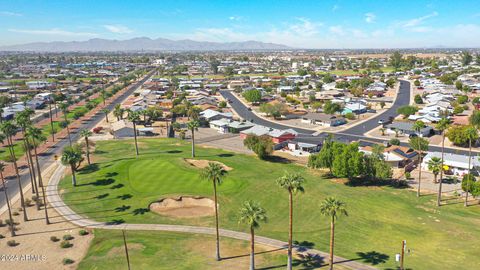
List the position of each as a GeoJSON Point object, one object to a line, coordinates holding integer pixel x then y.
{"type": "Point", "coordinates": [65, 244]}
{"type": "Point", "coordinates": [394, 142]}
{"type": "Point", "coordinates": [408, 175]}
{"type": "Point", "coordinates": [350, 116]}
{"type": "Point", "coordinates": [54, 239]}
{"type": "Point", "coordinates": [67, 237]}
{"type": "Point", "coordinates": [83, 232]}
{"type": "Point", "coordinates": [12, 243]}
{"type": "Point", "coordinates": [67, 261]}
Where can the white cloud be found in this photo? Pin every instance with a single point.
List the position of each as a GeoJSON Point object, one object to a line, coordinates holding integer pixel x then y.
{"type": "Point", "coordinates": [11, 14]}
{"type": "Point", "coordinates": [337, 30]}
{"type": "Point", "coordinates": [118, 29]}
{"type": "Point", "coordinates": [235, 18]}
{"type": "Point", "coordinates": [370, 17]}
{"type": "Point", "coordinates": [417, 21]}
{"type": "Point", "coordinates": [53, 31]}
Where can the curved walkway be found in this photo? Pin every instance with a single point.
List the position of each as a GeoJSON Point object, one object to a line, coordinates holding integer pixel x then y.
{"type": "Point", "coordinates": [57, 203]}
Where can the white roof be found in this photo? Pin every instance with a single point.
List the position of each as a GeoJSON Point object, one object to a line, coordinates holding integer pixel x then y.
{"type": "Point", "coordinates": [453, 160]}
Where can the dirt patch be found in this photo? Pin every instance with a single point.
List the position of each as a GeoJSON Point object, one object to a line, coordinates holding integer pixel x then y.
{"type": "Point", "coordinates": [200, 163]}
{"type": "Point", "coordinates": [184, 207]}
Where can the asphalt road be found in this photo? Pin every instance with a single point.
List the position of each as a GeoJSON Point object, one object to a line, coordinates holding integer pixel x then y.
{"type": "Point", "coordinates": [46, 158]}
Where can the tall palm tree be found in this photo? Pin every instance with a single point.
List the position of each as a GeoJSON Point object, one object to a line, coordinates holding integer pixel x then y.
{"type": "Point", "coordinates": [103, 94]}
{"type": "Point", "coordinates": [193, 125]}
{"type": "Point", "coordinates": [215, 173]}
{"type": "Point", "coordinates": [9, 130]}
{"type": "Point", "coordinates": [442, 125]}
{"type": "Point", "coordinates": [134, 117]}
{"type": "Point", "coordinates": [435, 165]}
{"type": "Point", "coordinates": [72, 156]}
{"type": "Point", "coordinates": [37, 137]}
{"type": "Point", "coordinates": [85, 133]}
{"type": "Point", "coordinates": [472, 134]}
{"type": "Point", "coordinates": [12, 228]}
{"type": "Point", "coordinates": [64, 107]}
{"type": "Point", "coordinates": [23, 121]}
{"type": "Point", "coordinates": [106, 111]}
{"type": "Point", "coordinates": [331, 207]}
{"type": "Point", "coordinates": [252, 214]}
{"type": "Point", "coordinates": [292, 183]}
{"type": "Point", "coordinates": [420, 145]}
{"type": "Point", "coordinates": [52, 130]}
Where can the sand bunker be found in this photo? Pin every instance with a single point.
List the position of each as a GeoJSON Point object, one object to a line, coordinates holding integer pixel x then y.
{"type": "Point", "coordinates": [184, 207]}
{"type": "Point", "coordinates": [199, 163]}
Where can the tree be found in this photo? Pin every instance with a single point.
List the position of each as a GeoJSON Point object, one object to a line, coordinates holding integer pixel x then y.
{"type": "Point", "coordinates": [64, 107]}
{"type": "Point", "coordinates": [407, 110]}
{"type": "Point", "coordinates": [23, 121]}
{"type": "Point", "coordinates": [134, 117]}
{"type": "Point", "coordinates": [416, 83]}
{"type": "Point", "coordinates": [420, 145]}
{"type": "Point", "coordinates": [9, 130]}
{"type": "Point", "coordinates": [292, 183]}
{"type": "Point", "coordinates": [457, 135]}
{"type": "Point", "coordinates": [331, 108]}
{"type": "Point", "coordinates": [435, 165]}
{"type": "Point", "coordinates": [37, 138]}
{"type": "Point", "coordinates": [470, 184]}
{"type": "Point", "coordinates": [348, 162]}
{"type": "Point", "coordinates": [103, 94]}
{"type": "Point", "coordinates": [106, 111]}
{"type": "Point", "coordinates": [418, 126]}
{"type": "Point", "coordinates": [192, 126]}
{"type": "Point", "coordinates": [324, 158]}
{"type": "Point", "coordinates": [118, 112]}
{"type": "Point", "coordinates": [333, 208]}
{"type": "Point", "coordinates": [472, 135]}
{"type": "Point", "coordinates": [442, 126]}
{"type": "Point", "coordinates": [466, 58]}
{"type": "Point", "coordinates": [276, 110]}
{"type": "Point", "coordinates": [396, 60]}
{"type": "Point", "coordinates": [418, 99]}
{"type": "Point", "coordinates": [252, 214]}
{"type": "Point", "coordinates": [260, 145]}
{"type": "Point", "coordinates": [394, 141]}
{"type": "Point", "coordinates": [474, 118]}
{"type": "Point", "coordinates": [215, 173]}
{"type": "Point", "coordinates": [2, 178]}
{"type": "Point", "coordinates": [253, 95]}
{"type": "Point", "coordinates": [85, 133]}
{"type": "Point", "coordinates": [72, 156]}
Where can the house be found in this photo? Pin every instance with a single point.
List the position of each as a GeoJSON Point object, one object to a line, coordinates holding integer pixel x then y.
{"type": "Point", "coordinates": [354, 107]}
{"type": "Point", "coordinates": [225, 125]}
{"type": "Point", "coordinates": [122, 129]}
{"type": "Point", "coordinates": [285, 89]}
{"type": "Point", "coordinates": [278, 136]}
{"type": "Point", "coordinates": [396, 156]}
{"type": "Point", "coordinates": [302, 149]}
{"type": "Point", "coordinates": [323, 119]}
{"type": "Point", "coordinates": [210, 115]}
{"type": "Point", "coordinates": [407, 129]}
{"type": "Point", "coordinates": [457, 164]}
{"type": "Point", "coordinates": [38, 84]}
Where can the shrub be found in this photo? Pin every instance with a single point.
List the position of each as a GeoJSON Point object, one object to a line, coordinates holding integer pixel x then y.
{"type": "Point", "coordinates": [350, 116]}
{"type": "Point", "coordinates": [8, 222]}
{"type": "Point", "coordinates": [418, 99]}
{"type": "Point", "coordinates": [83, 232]}
{"type": "Point", "coordinates": [408, 175]}
{"type": "Point", "coordinates": [66, 261]}
{"type": "Point", "coordinates": [394, 142]}
{"type": "Point", "coordinates": [28, 202]}
{"type": "Point", "coordinates": [15, 213]}
{"type": "Point", "coordinates": [67, 237]}
{"type": "Point", "coordinates": [12, 243]}
{"type": "Point", "coordinates": [63, 124]}
{"type": "Point", "coordinates": [65, 244]}
{"type": "Point", "coordinates": [54, 239]}
{"type": "Point", "coordinates": [2, 236]}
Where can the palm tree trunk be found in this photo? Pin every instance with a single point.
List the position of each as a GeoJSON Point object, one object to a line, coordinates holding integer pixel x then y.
{"type": "Point", "coordinates": [51, 121]}
{"type": "Point", "coordinates": [332, 241]}
{"type": "Point", "coordinates": [40, 181]}
{"type": "Point", "coordinates": [290, 230]}
{"type": "Point", "coordinates": [439, 196]}
{"type": "Point", "coordinates": [193, 143]}
{"type": "Point", "coordinates": [31, 170]}
{"type": "Point", "coordinates": [20, 188]}
{"type": "Point", "coordinates": [12, 228]}
{"type": "Point", "coordinates": [68, 129]}
{"type": "Point", "coordinates": [88, 150]}
{"type": "Point", "coordinates": [252, 250]}
{"type": "Point", "coordinates": [74, 178]}
{"type": "Point", "coordinates": [217, 255]}
{"type": "Point", "coordinates": [106, 116]}
{"type": "Point", "coordinates": [135, 137]}
{"type": "Point", "coordinates": [419, 172]}
{"type": "Point", "coordinates": [469, 171]}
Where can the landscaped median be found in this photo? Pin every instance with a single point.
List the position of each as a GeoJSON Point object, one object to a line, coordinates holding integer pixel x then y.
{"type": "Point", "coordinates": [119, 188]}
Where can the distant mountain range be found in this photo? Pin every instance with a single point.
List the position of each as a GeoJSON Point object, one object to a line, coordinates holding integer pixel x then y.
{"type": "Point", "coordinates": [141, 44]}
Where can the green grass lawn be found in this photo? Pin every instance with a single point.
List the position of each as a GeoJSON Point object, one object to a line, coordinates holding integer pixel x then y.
{"type": "Point", "coordinates": [119, 188]}
{"type": "Point", "coordinates": [161, 250]}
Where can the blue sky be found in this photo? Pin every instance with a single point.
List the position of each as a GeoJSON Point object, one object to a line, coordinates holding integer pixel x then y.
{"type": "Point", "coordinates": [303, 24]}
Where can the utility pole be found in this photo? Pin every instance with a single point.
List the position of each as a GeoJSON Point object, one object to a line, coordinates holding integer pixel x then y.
{"type": "Point", "coordinates": [402, 256]}
{"type": "Point", "coordinates": [126, 249]}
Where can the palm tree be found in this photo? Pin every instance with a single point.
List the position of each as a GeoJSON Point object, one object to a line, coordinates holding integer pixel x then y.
{"type": "Point", "coordinates": [118, 112]}
{"type": "Point", "coordinates": [418, 126]}
{"type": "Point", "coordinates": [106, 111]}
{"type": "Point", "coordinates": [420, 145]}
{"type": "Point", "coordinates": [85, 133]}
{"type": "Point", "coordinates": [72, 156]}
{"type": "Point", "coordinates": [442, 125]}
{"type": "Point", "coordinates": [383, 131]}
{"type": "Point", "coordinates": [293, 183]}
{"type": "Point", "coordinates": [51, 118]}
{"type": "Point", "coordinates": [331, 207]}
{"type": "Point", "coordinates": [252, 214]}
{"type": "Point", "coordinates": [435, 165]}
{"type": "Point", "coordinates": [12, 228]}
{"type": "Point", "coordinates": [134, 117]}
{"type": "Point", "coordinates": [103, 94]}
{"type": "Point", "coordinates": [23, 121]}
{"type": "Point", "coordinates": [64, 107]}
{"type": "Point", "coordinates": [37, 137]}
{"type": "Point", "coordinates": [472, 134]}
{"type": "Point", "coordinates": [9, 130]}
{"type": "Point", "coordinates": [215, 173]}
{"type": "Point", "coordinates": [193, 125]}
